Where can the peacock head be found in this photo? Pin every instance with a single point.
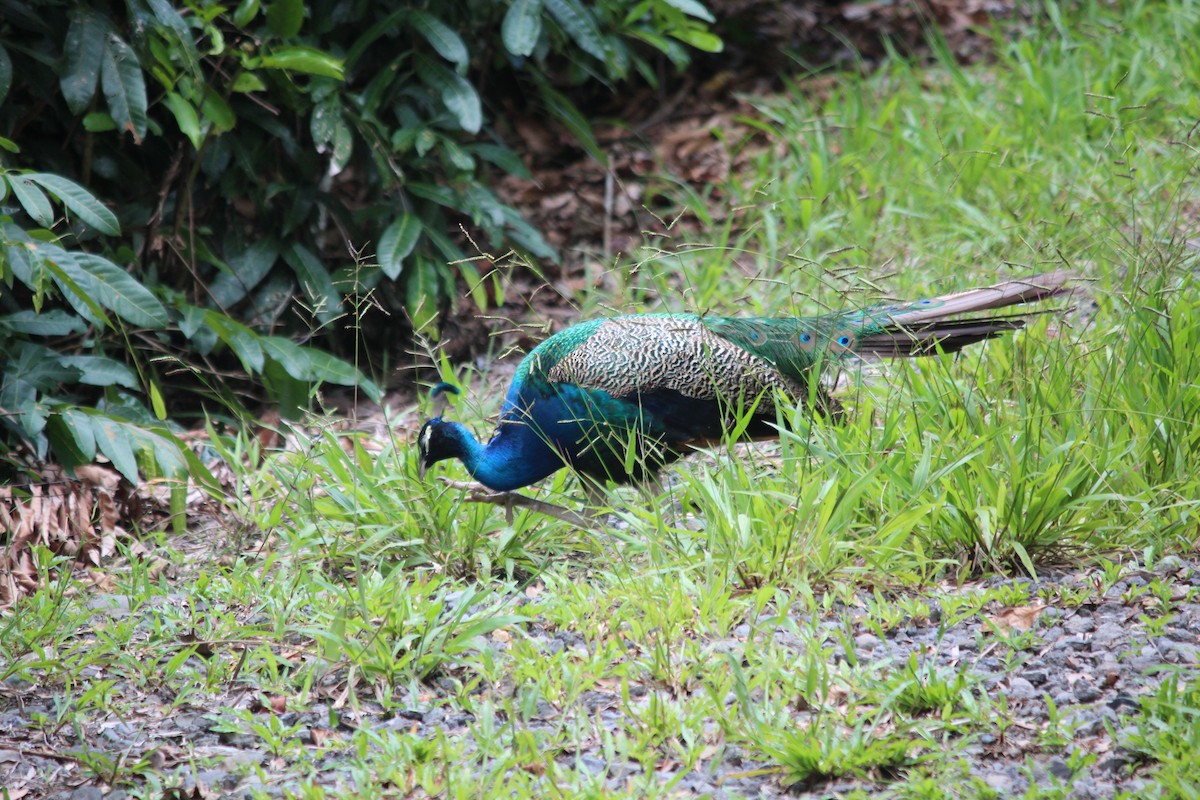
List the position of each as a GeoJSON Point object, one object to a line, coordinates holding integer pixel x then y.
{"type": "Point", "coordinates": [438, 441]}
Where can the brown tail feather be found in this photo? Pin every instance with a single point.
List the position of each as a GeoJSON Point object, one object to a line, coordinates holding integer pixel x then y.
{"type": "Point", "coordinates": [924, 331]}
{"type": "Point", "coordinates": [1001, 295]}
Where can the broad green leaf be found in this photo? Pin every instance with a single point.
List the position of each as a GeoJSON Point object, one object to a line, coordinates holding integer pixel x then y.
{"type": "Point", "coordinates": [20, 254]}
{"type": "Point", "coordinates": [74, 282]}
{"type": "Point", "coordinates": [579, 24]}
{"type": "Point", "coordinates": [185, 117]}
{"type": "Point", "coordinates": [166, 15]}
{"type": "Point", "coordinates": [244, 271]}
{"type": "Point", "coordinates": [397, 242]}
{"type": "Point", "coordinates": [245, 13]}
{"type": "Point", "coordinates": [248, 81]}
{"type": "Point", "coordinates": [457, 156]}
{"type": "Point", "coordinates": [83, 52]}
{"type": "Point", "coordinates": [502, 157]}
{"type": "Point", "coordinates": [19, 397]}
{"type": "Point", "coordinates": [325, 368]}
{"type": "Point", "coordinates": [5, 74]}
{"type": "Point", "coordinates": [115, 440]}
{"type": "Point", "coordinates": [565, 111]}
{"type": "Point", "coordinates": [101, 371]}
{"type": "Point", "coordinates": [323, 122]}
{"type": "Point", "coordinates": [124, 87]}
{"type": "Point", "coordinates": [118, 291]}
{"type": "Point", "coordinates": [421, 293]}
{"type": "Point", "coordinates": [305, 59]}
{"type": "Point", "coordinates": [32, 199]}
{"type": "Point", "coordinates": [316, 366]}
{"type": "Point", "coordinates": [699, 39]}
{"type": "Point", "coordinates": [456, 92]}
{"type": "Point", "coordinates": [71, 436]}
{"type": "Point", "coordinates": [166, 452]}
{"type": "Point", "coordinates": [10, 146]}
{"type": "Point", "coordinates": [317, 283]}
{"type": "Point", "coordinates": [89, 210]}
{"type": "Point", "coordinates": [288, 355]}
{"type": "Point", "coordinates": [522, 27]}
{"type": "Point", "coordinates": [527, 236]}
{"type": "Point", "coordinates": [193, 324]}
{"type": "Point", "coordinates": [693, 9]}
{"type": "Point", "coordinates": [290, 394]}
{"type": "Point", "coordinates": [384, 25]}
{"type": "Point", "coordinates": [156, 401]}
{"type": "Point", "coordinates": [52, 322]}
{"type": "Point", "coordinates": [448, 44]}
{"type": "Point", "coordinates": [450, 251]}
{"type": "Point", "coordinates": [343, 143]}
{"type": "Point", "coordinates": [218, 113]}
{"type": "Point", "coordinates": [40, 367]}
{"type": "Point", "coordinates": [285, 17]}
{"type": "Point", "coordinates": [244, 342]}
{"type": "Point", "coordinates": [98, 122]}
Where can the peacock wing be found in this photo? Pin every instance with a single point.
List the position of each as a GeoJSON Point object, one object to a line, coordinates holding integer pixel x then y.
{"type": "Point", "coordinates": [673, 371]}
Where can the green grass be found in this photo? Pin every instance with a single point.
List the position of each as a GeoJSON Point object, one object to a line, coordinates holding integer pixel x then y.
{"type": "Point", "coordinates": [356, 589]}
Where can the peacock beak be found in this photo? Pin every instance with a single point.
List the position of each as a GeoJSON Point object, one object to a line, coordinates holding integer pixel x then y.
{"type": "Point", "coordinates": [422, 468]}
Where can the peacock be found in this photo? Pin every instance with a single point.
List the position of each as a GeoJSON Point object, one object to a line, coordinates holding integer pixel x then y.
{"type": "Point", "coordinates": [617, 399]}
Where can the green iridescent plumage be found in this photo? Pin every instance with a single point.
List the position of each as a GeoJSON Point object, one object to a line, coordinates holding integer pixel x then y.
{"type": "Point", "coordinates": [618, 398]}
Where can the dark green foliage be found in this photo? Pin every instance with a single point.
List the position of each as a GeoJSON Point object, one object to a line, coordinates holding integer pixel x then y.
{"type": "Point", "coordinates": [187, 188]}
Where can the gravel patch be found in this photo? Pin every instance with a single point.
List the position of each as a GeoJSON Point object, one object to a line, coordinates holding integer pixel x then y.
{"type": "Point", "coordinates": [1079, 675]}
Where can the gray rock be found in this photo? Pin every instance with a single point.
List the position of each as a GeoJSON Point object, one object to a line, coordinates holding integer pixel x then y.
{"type": "Point", "coordinates": [1168, 565]}
{"type": "Point", "coordinates": [1035, 676]}
{"type": "Point", "coordinates": [1108, 633]}
{"type": "Point", "coordinates": [866, 641]}
{"type": "Point", "coordinates": [1021, 689]}
{"type": "Point", "coordinates": [87, 793]}
{"type": "Point", "coordinates": [112, 605]}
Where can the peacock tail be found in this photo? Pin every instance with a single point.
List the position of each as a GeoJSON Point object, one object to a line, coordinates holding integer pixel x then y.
{"type": "Point", "coordinates": [618, 398]}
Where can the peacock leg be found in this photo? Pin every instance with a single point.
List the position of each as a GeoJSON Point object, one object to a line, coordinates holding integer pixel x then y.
{"type": "Point", "coordinates": [478, 493]}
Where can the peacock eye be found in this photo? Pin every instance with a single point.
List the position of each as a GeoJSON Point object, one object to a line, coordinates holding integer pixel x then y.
{"type": "Point", "coordinates": [844, 340]}
{"type": "Point", "coordinates": [806, 337]}
{"type": "Point", "coordinates": [754, 336]}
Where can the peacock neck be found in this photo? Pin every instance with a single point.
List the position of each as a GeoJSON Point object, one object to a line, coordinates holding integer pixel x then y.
{"type": "Point", "coordinates": [515, 457]}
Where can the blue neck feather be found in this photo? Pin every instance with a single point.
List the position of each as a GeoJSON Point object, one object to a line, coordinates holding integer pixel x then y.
{"type": "Point", "coordinates": [515, 456]}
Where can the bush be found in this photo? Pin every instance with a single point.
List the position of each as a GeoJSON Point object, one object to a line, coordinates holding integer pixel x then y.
{"type": "Point", "coordinates": [177, 181]}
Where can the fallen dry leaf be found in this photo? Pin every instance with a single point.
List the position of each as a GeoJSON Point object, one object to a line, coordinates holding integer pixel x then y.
{"type": "Point", "coordinates": [1018, 618]}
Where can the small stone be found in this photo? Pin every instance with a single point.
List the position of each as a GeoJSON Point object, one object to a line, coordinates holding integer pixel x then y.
{"type": "Point", "coordinates": [1117, 763]}
{"type": "Point", "coordinates": [999, 782]}
{"type": "Point", "coordinates": [1058, 768]}
{"type": "Point", "coordinates": [1035, 676]}
{"type": "Point", "coordinates": [1123, 700]}
{"type": "Point", "coordinates": [87, 793]}
{"type": "Point", "coordinates": [1087, 693]}
{"type": "Point", "coordinates": [1179, 652]}
{"type": "Point", "coordinates": [1108, 633]}
{"type": "Point", "coordinates": [114, 605]}
{"type": "Point", "coordinates": [1168, 564]}
{"type": "Point", "coordinates": [594, 765]}
{"type": "Point", "coordinates": [866, 641]}
{"type": "Point", "coordinates": [1021, 689]}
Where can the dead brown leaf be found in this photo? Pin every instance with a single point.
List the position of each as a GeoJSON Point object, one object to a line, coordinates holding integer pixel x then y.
{"type": "Point", "coordinates": [1017, 618]}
